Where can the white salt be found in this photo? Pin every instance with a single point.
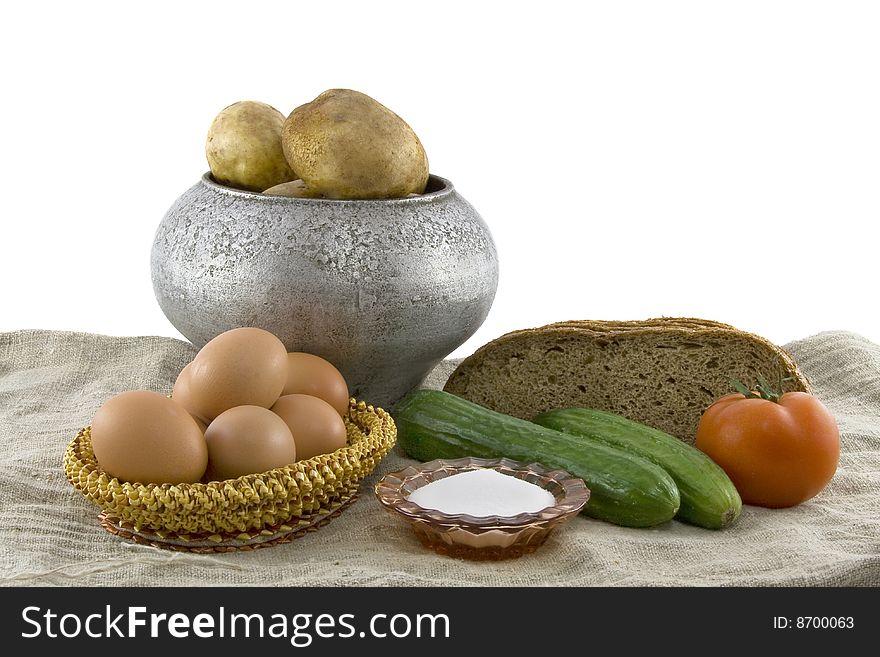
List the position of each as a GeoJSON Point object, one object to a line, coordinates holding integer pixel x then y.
{"type": "Point", "coordinates": [483, 492]}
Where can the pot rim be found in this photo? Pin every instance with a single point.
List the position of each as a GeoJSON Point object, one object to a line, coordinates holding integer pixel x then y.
{"type": "Point", "coordinates": [442, 188]}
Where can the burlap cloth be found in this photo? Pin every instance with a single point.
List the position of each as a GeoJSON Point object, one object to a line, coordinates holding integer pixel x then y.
{"type": "Point", "coordinates": [51, 383]}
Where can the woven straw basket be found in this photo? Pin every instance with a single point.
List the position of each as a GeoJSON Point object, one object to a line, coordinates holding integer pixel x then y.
{"type": "Point", "coordinates": [250, 511]}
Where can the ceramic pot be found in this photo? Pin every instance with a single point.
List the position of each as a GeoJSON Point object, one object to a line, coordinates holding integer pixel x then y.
{"type": "Point", "coordinates": [383, 289]}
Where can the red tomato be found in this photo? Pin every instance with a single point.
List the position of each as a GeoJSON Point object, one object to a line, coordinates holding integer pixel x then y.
{"type": "Point", "coordinates": [776, 453]}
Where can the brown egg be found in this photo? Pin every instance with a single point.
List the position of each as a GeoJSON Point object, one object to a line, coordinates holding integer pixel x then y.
{"type": "Point", "coordinates": [312, 375]}
{"type": "Point", "coordinates": [241, 367]}
{"type": "Point", "coordinates": [247, 439]}
{"type": "Point", "coordinates": [316, 426]}
{"type": "Point", "coordinates": [203, 426]}
{"type": "Point", "coordinates": [142, 436]}
{"type": "Point", "coordinates": [183, 396]}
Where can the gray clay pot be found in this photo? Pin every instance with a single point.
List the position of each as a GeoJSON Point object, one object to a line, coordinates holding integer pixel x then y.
{"type": "Point", "coordinates": [383, 289]}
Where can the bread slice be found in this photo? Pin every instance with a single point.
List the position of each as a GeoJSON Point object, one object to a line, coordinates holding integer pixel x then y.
{"type": "Point", "coordinates": [663, 372]}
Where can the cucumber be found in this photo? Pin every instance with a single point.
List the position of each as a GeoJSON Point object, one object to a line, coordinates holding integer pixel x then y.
{"type": "Point", "coordinates": [624, 489]}
{"type": "Point", "coordinates": [708, 497]}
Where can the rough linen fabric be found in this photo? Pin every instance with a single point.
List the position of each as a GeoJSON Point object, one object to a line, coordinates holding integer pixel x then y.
{"type": "Point", "coordinates": [51, 383]}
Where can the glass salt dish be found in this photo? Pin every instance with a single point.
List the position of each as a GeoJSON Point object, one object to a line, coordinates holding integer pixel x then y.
{"type": "Point", "coordinates": [482, 537]}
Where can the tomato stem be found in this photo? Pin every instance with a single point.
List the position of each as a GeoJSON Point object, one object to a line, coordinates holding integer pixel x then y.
{"type": "Point", "coordinates": [763, 389]}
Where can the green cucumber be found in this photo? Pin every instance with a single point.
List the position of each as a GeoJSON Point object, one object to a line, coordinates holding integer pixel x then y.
{"type": "Point", "coordinates": [708, 497]}
{"type": "Point", "coordinates": [624, 489]}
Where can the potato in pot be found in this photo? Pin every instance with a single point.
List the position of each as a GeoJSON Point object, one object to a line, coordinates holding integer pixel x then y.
{"type": "Point", "coordinates": [244, 147]}
{"type": "Point", "coordinates": [345, 145]}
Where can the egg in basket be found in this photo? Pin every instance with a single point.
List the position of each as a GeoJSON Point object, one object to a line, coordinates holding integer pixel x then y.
{"type": "Point", "coordinates": [255, 447]}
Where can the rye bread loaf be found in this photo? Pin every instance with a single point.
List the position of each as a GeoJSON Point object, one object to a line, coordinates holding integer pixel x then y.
{"type": "Point", "coordinates": [662, 372]}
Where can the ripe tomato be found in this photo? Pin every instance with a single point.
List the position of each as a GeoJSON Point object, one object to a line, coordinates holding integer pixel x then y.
{"type": "Point", "coordinates": [777, 451]}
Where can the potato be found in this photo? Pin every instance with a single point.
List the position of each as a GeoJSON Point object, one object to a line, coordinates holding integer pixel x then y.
{"type": "Point", "coordinates": [293, 189]}
{"type": "Point", "coordinates": [244, 147]}
{"type": "Point", "coordinates": [345, 145]}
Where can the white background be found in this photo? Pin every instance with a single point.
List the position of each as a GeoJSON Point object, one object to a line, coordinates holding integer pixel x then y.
{"type": "Point", "coordinates": [632, 159]}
